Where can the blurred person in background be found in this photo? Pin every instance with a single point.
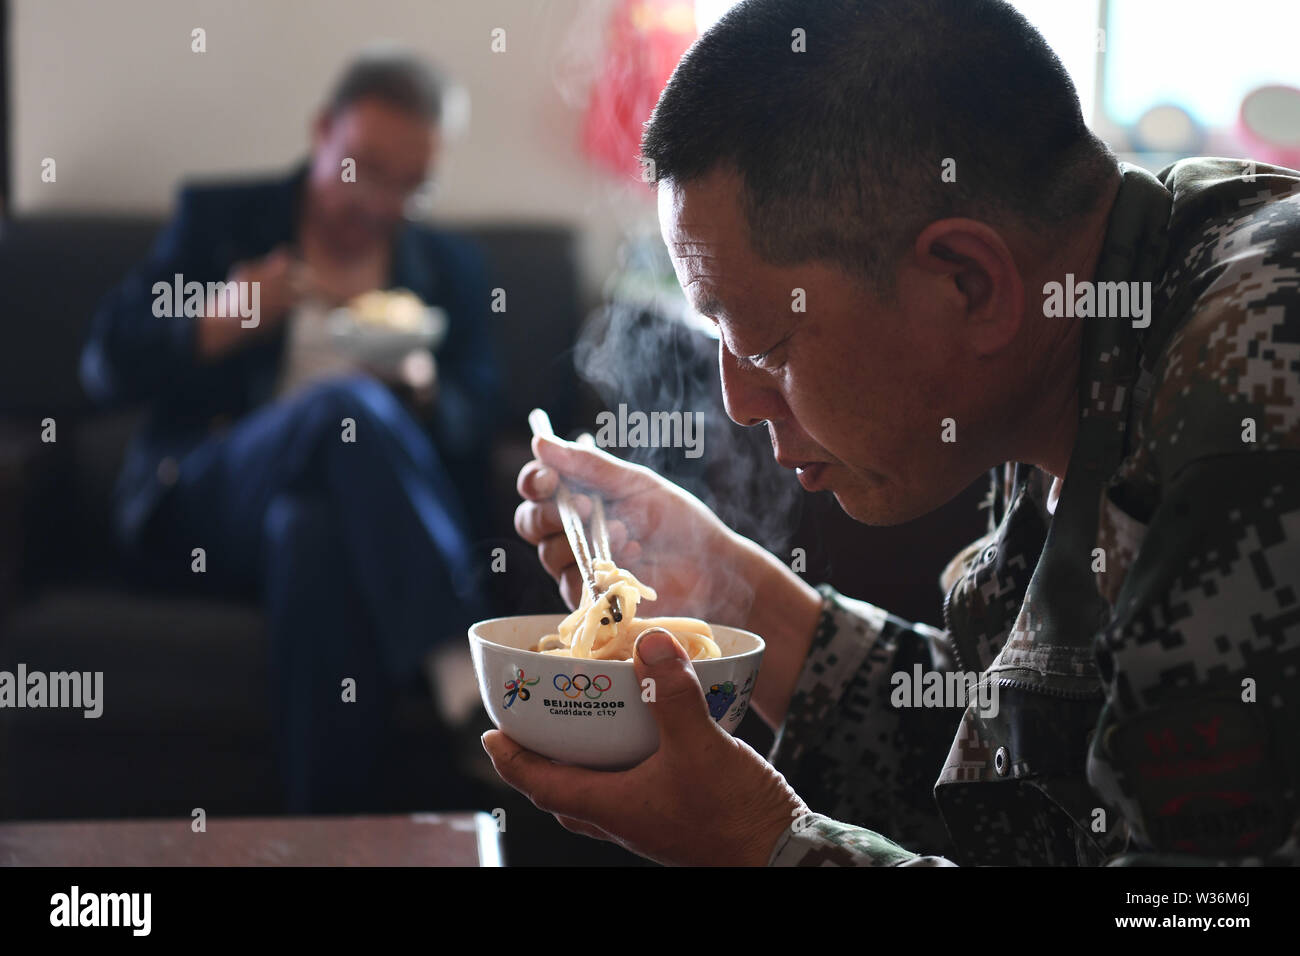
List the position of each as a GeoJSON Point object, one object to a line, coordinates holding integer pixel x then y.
{"type": "Point", "coordinates": [337, 493]}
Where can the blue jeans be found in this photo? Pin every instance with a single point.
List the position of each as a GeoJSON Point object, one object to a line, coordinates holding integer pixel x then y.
{"type": "Point", "coordinates": [360, 553]}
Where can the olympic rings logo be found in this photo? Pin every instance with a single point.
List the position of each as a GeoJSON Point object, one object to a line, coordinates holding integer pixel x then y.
{"type": "Point", "coordinates": [580, 685]}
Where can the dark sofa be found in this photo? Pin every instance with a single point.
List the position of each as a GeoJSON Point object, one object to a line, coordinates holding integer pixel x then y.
{"type": "Point", "coordinates": [186, 721]}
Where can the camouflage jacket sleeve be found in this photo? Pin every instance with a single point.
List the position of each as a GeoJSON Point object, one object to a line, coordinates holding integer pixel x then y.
{"type": "Point", "coordinates": [1196, 746]}
{"type": "Point", "coordinates": [849, 753]}
{"type": "Point", "coordinates": [816, 840]}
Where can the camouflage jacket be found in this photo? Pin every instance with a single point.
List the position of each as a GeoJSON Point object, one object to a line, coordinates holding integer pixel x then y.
{"type": "Point", "coordinates": [1143, 639]}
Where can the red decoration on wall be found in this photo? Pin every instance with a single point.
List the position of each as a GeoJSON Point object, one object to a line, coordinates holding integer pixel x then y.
{"type": "Point", "coordinates": [646, 38]}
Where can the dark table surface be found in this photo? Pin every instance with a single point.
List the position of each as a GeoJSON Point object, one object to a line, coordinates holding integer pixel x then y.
{"type": "Point", "coordinates": [426, 839]}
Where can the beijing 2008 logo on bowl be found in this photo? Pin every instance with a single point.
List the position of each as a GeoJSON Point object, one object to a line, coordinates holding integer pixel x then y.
{"type": "Point", "coordinates": [581, 685]}
{"type": "Point", "coordinates": [517, 689]}
{"type": "Point", "coordinates": [582, 695]}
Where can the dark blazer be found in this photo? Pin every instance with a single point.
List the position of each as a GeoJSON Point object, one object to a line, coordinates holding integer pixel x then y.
{"type": "Point", "coordinates": [132, 356]}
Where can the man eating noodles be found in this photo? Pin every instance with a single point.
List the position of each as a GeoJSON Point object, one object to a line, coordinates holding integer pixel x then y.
{"type": "Point", "coordinates": [327, 487]}
{"type": "Point", "coordinates": [922, 174]}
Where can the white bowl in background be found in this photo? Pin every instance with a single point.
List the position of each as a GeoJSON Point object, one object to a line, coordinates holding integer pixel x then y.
{"type": "Point", "coordinates": [383, 347]}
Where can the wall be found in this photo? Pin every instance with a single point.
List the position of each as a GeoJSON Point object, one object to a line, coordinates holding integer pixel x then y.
{"type": "Point", "coordinates": [113, 92]}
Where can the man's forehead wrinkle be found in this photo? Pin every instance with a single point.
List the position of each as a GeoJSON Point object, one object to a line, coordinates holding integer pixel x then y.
{"type": "Point", "coordinates": [696, 248]}
{"type": "Point", "coordinates": [698, 263]}
{"type": "Point", "coordinates": [700, 269]}
{"type": "Point", "coordinates": [700, 275]}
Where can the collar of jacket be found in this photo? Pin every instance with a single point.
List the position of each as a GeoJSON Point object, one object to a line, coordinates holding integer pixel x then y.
{"type": "Point", "coordinates": [1062, 598]}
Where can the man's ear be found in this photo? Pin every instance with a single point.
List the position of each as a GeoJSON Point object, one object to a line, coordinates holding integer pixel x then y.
{"type": "Point", "coordinates": [985, 279]}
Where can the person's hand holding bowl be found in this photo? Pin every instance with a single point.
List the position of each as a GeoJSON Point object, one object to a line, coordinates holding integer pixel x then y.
{"type": "Point", "coordinates": [703, 797]}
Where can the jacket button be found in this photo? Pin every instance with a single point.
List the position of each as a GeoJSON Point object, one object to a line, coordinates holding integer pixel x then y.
{"type": "Point", "coordinates": [1001, 762]}
{"type": "Point", "coordinates": [168, 471]}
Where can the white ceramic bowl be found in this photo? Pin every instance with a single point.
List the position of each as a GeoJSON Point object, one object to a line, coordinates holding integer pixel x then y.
{"type": "Point", "coordinates": [591, 713]}
{"type": "Point", "coordinates": [384, 347]}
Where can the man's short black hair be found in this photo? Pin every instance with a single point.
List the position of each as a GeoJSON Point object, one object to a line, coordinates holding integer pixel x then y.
{"type": "Point", "coordinates": [841, 148]}
{"type": "Point", "coordinates": [394, 76]}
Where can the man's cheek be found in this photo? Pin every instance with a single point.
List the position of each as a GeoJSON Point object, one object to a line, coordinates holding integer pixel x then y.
{"type": "Point", "coordinates": [818, 411]}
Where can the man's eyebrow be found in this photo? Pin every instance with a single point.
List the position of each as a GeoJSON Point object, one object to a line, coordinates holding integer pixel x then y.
{"type": "Point", "coordinates": [709, 305]}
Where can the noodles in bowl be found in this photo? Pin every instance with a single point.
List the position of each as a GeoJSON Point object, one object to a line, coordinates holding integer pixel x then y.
{"type": "Point", "coordinates": [591, 712]}
{"type": "Point", "coordinates": [606, 627]}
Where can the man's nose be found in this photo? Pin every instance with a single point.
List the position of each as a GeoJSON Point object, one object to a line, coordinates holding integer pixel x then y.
{"type": "Point", "coordinates": [746, 398]}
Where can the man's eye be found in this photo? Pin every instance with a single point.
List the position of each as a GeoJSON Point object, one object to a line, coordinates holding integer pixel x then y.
{"type": "Point", "coordinates": [769, 360]}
